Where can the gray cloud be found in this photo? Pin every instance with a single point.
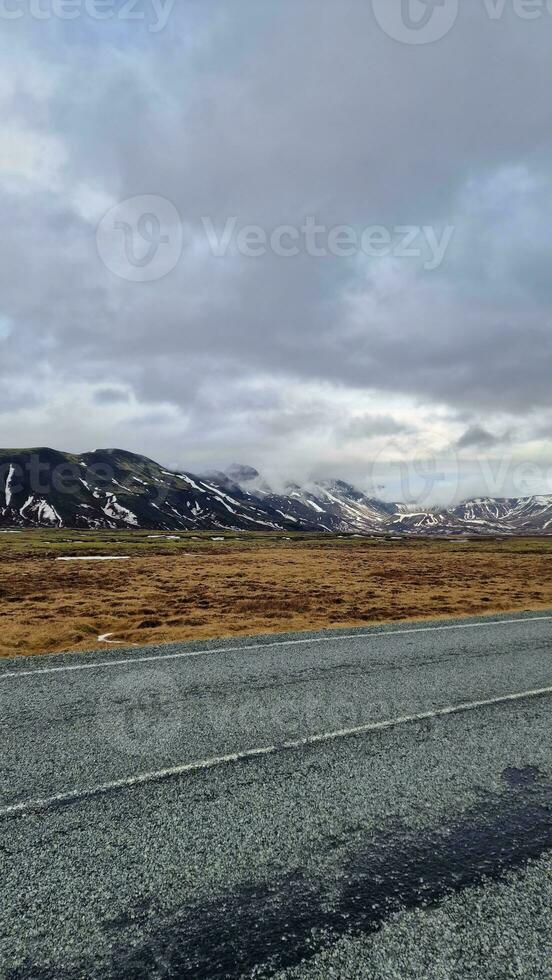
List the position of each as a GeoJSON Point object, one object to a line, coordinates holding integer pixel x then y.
{"type": "Point", "coordinates": [477, 437]}
{"type": "Point", "coordinates": [371, 426]}
{"type": "Point", "coordinates": [110, 396]}
{"type": "Point", "coordinates": [272, 112]}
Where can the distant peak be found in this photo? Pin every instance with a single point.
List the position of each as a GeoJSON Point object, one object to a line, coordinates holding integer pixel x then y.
{"type": "Point", "coordinates": [241, 473]}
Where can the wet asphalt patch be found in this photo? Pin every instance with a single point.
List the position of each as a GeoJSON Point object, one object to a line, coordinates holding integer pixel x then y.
{"type": "Point", "coordinates": [265, 928]}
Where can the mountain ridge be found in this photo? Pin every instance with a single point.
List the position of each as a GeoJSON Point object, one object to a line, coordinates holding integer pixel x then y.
{"type": "Point", "coordinates": [114, 489]}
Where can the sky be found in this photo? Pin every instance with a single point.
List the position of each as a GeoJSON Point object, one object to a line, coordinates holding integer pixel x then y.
{"type": "Point", "coordinates": [307, 235]}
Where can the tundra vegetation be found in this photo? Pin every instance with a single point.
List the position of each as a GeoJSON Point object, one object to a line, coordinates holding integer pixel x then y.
{"type": "Point", "coordinates": [198, 586]}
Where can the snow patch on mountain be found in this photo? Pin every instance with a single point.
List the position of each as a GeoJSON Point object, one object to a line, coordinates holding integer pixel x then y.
{"type": "Point", "coordinates": [116, 489]}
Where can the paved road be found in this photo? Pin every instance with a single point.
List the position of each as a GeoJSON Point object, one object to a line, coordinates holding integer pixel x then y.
{"type": "Point", "coordinates": [375, 804]}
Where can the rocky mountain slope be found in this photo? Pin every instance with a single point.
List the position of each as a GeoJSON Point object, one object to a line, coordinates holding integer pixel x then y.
{"type": "Point", "coordinates": [116, 489]}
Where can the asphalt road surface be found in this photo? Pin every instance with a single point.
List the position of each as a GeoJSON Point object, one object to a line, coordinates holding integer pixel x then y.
{"type": "Point", "coordinates": [374, 803]}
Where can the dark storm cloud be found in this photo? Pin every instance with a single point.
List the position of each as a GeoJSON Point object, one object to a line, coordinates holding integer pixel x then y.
{"type": "Point", "coordinates": [477, 437]}
{"type": "Point", "coordinates": [270, 113]}
{"type": "Point", "coordinates": [110, 396]}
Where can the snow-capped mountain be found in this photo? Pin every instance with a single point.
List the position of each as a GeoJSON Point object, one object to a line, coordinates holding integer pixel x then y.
{"type": "Point", "coordinates": [488, 515]}
{"type": "Point", "coordinates": [333, 505]}
{"type": "Point", "coordinates": [116, 489]}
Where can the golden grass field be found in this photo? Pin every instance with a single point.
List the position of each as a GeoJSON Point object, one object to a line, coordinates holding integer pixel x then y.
{"type": "Point", "coordinates": [196, 587]}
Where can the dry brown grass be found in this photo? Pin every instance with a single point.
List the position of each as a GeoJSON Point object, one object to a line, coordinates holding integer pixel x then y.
{"type": "Point", "coordinates": [258, 586]}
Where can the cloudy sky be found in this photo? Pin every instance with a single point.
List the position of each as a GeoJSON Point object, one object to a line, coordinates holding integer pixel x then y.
{"type": "Point", "coordinates": [309, 235]}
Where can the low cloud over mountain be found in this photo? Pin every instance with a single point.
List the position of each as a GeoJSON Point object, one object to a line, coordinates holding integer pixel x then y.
{"type": "Point", "coordinates": [117, 489]}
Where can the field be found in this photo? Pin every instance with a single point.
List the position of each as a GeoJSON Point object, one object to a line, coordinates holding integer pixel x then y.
{"type": "Point", "coordinates": [212, 585]}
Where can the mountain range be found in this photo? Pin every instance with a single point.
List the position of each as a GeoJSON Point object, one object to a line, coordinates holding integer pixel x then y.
{"type": "Point", "coordinates": [115, 489]}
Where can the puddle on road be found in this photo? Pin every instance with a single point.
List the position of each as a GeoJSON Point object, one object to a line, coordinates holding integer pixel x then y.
{"type": "Point", "coordinates": [279, 925]}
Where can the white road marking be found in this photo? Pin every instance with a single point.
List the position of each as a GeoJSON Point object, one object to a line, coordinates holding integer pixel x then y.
{"type": "Point", "coordinates": [186, 654]}
{"type": "Point", "coordinates": [222, 760]}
